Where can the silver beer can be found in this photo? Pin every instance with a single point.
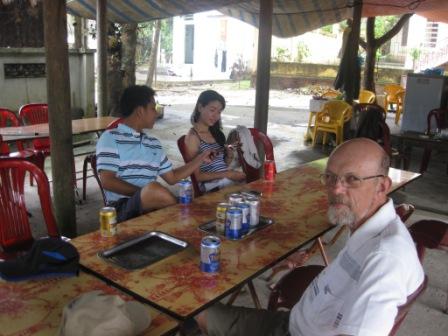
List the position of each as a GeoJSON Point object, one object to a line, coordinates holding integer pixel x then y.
{"type": "Point", "coordinates": [254, 203]}
{"type": "Point", "coordinates": [235, 198]}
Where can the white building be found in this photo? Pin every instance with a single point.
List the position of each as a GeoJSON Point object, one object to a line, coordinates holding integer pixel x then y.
{"type": "Point", "coordinates": [207, 44]}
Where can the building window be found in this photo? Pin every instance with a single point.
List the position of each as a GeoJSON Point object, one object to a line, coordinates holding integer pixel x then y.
{"type": "Point", "coordinates": [189, 44]}
{"type": "Point", "coordinates": [431, 33]}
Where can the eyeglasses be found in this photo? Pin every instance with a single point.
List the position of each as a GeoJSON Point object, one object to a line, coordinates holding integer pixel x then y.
{"type": "Point", "coordinates": [347, 180]}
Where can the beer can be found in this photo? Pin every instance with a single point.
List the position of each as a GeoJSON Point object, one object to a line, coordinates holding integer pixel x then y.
{"type": "Point", "coordinates": [235, 198]}
{"type": "Point", "coordinates": [185, 192]}
{"type": "Point", "coordinates": [221, 211]}
{"type": "Point", "coordinates": [233, 223]}
{"type": "Point", "coordinates": [210, 252]}
{"type": "Point", "coordinates": [108, 222]}
{"type": "Point", "coordinates": [269, 170]}
{"type": "Point", "coordinates": [245, 219]}
{"type": "Point", "coordinates": [254, 203]}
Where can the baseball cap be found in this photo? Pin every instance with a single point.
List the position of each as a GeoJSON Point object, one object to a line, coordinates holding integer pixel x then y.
{"type": "Point", "coordinates": [97, 314]}
{"type": "Point", "coordinates": [47, 257]}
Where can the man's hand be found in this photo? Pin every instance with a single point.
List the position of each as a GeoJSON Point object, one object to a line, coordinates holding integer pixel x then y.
{"type": "Point", "coordinates": [235, 175]}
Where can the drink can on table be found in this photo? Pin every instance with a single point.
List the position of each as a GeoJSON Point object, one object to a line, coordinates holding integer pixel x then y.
{"type": "Point", "coordinates": [233, 223]}
{"type": "Point", "coordinates": [185, 192]}
{"type": "Point", "coordinates": [210, 252]}
{"type": "Point", "coordinates": [245, 219]}
{"type": "Point", "coordinates": [235, 198]}
{"type": "Point", "coordinates": [269, 170]}
{"type": "Point", "coordinates": [108, 222]}
{"type": "Point", "coordinates": [221, 211]}
{"type": "Point", "coordinates": [254, 203]}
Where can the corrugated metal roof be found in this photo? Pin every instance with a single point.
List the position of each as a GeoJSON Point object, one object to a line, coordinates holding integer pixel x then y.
{"type": "Point", "coordinates": [290, 17]}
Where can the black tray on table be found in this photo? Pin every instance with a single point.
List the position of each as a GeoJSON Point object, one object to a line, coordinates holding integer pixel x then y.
{"type": "Point", "coordinates": [144, 250]}
{"type": "Point", "coordinates": [210, 228]}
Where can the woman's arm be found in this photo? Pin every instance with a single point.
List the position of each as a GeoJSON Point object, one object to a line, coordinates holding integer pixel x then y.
{"type": "Point", "coordinates": [192, 145]}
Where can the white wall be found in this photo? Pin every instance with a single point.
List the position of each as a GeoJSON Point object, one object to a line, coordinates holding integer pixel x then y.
{"type": "Point", "coordinates": [16, 92]}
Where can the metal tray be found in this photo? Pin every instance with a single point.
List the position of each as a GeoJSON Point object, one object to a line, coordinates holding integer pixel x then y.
{"type": "Point", "coordinates": [210, 228]}
{"type": "Point", "coordinates": [144, 250]}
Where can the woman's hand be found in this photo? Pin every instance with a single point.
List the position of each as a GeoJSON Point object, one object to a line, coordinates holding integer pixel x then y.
{"type": "Point", "coordinates": [235, 175]}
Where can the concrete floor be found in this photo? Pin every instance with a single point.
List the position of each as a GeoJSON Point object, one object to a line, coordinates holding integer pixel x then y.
{"type": "Point", "coordinates": [288, 116]}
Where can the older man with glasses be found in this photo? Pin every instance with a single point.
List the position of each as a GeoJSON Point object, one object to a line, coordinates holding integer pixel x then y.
{"type": "Point", "coordinates": [360, 291]}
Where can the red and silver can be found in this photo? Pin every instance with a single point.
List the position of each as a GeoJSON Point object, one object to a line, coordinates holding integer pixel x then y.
{"type": "Point", "coordinates": [254, 203]}
{"type": "Point", "coordinates": [269, 170]}
{"type": "Point", "coordinates": [210, 253]}
{"type": "Point", "coordinates": [108, 222]}
{"type": "Point", "coordinates": [235, 198]}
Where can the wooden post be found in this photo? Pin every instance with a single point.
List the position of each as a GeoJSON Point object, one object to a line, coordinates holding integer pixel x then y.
{"type": "Point", "coordinates": [263, 65]}
{"type": "Point", "coordinates": [58, 92]}
{"type": "Point", "coordinates": [101, 31]}
{"type": "Point", "coordinates": [353, 46]}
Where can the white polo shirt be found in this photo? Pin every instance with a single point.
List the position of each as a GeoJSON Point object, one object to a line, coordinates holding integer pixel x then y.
{"type": "Point", "coordinates": [359, 292]}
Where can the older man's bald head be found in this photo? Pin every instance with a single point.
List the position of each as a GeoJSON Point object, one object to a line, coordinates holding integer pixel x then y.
{"type": "Point", "coordinates": [365, 151]}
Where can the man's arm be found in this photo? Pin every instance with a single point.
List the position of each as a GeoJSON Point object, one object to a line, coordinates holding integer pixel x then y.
{"type": "Point", "coordinates": [175, 175]}
{"type": "Point", "coordinates": [111, 182]}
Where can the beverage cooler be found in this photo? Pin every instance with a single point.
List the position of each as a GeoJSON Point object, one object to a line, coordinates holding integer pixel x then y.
{"type": "Point", "coordinates": [423, 93]}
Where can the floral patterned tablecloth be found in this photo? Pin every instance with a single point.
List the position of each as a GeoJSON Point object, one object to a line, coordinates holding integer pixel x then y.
{"type": "Point", "coordinates": [296, 201]}
{"type": "Point", "coordinates": [35, 307]}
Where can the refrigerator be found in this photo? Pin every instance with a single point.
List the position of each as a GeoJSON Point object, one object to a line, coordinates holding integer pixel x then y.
{"type": "Point", "coordinates": [423, 93]}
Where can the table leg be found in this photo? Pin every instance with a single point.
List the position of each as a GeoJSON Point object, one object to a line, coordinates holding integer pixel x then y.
{"type": "Point", "coordinates": [308, 133]}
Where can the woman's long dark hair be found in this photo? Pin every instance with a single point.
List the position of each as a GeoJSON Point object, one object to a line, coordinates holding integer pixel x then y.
{"type": "Point", "coordinates": [205, 98]}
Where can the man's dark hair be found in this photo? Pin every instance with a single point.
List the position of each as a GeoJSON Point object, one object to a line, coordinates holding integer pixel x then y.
{"type": "Point", "coordinates": [134, 96]}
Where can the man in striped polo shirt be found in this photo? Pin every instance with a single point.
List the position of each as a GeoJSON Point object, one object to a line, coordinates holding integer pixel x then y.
{"type": "Point", "coordinates": [129, 161]}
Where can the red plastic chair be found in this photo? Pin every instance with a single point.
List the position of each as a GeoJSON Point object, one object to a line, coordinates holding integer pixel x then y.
{"type": "Point", "coordinates": [252, 173]}
{"type": "Point", "coordinates": [432, 234]}
{"type": "Point", "coordinates": [9, 119]}
{"type": "Point", "coordinates": [32, 155]}
{"type": "Point", "coordinates": [439, 116]}
{"type": "Point", "coordinates": [92, 160]}
{"type": "Point", "coordinates": [183, 151]}
{"type": "Point", "coordinates": [32, 114]}
{"type": "Point", "coordinates": [15, 232]}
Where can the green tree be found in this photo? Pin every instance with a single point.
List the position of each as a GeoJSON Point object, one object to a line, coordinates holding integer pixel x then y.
{"type": "Point", "coordinates": [373, 42]}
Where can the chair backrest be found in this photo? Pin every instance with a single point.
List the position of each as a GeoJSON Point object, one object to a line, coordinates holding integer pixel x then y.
{"type": "Point", "coordinates": [440, 116]}
{"type": "Point", "coordinates": [15, 232]}
{"type": "Point", "coordinates": [404, 211]}
{"type": "Point", "coordinates": [114, 124]}
{"type": "Point", "coordinates": [392, 89]}
{"type": "Point", "coordinates": [183, 151]}
{"type": "Point", "coordinates": [252, 173]}
{"type": "Point", "coordinates": [9, 119]}
{"type": "Point", "coordinates": [331, 94]}
{"type": "Point", "coordinates": [289, 289]}
{"type": "Point", "coordinates": [404, 309]}
{"type": "Point", "coordinates": [32, 114]}
{"type": "Point", "coordinates": [366, 97]}
{"type": "Point", "coordinates": [92, 160]}
{"type": "Point", "coordinates": [429, 233]}
{"type": "Point", "coordinates": [338, 111]}
{"type": "Point", "coordinates": [370, 123]}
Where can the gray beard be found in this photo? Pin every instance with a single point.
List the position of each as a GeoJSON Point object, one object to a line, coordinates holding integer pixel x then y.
{"type": "Point", "coordinates": [346, 217]}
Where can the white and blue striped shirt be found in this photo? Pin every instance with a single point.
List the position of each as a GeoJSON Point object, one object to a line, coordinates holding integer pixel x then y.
{"type": "Point", "coordinates": [135, 157]}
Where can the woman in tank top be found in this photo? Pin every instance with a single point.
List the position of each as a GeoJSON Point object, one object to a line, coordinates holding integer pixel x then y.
{"type": "Point", "coordinates": [206, 133]}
